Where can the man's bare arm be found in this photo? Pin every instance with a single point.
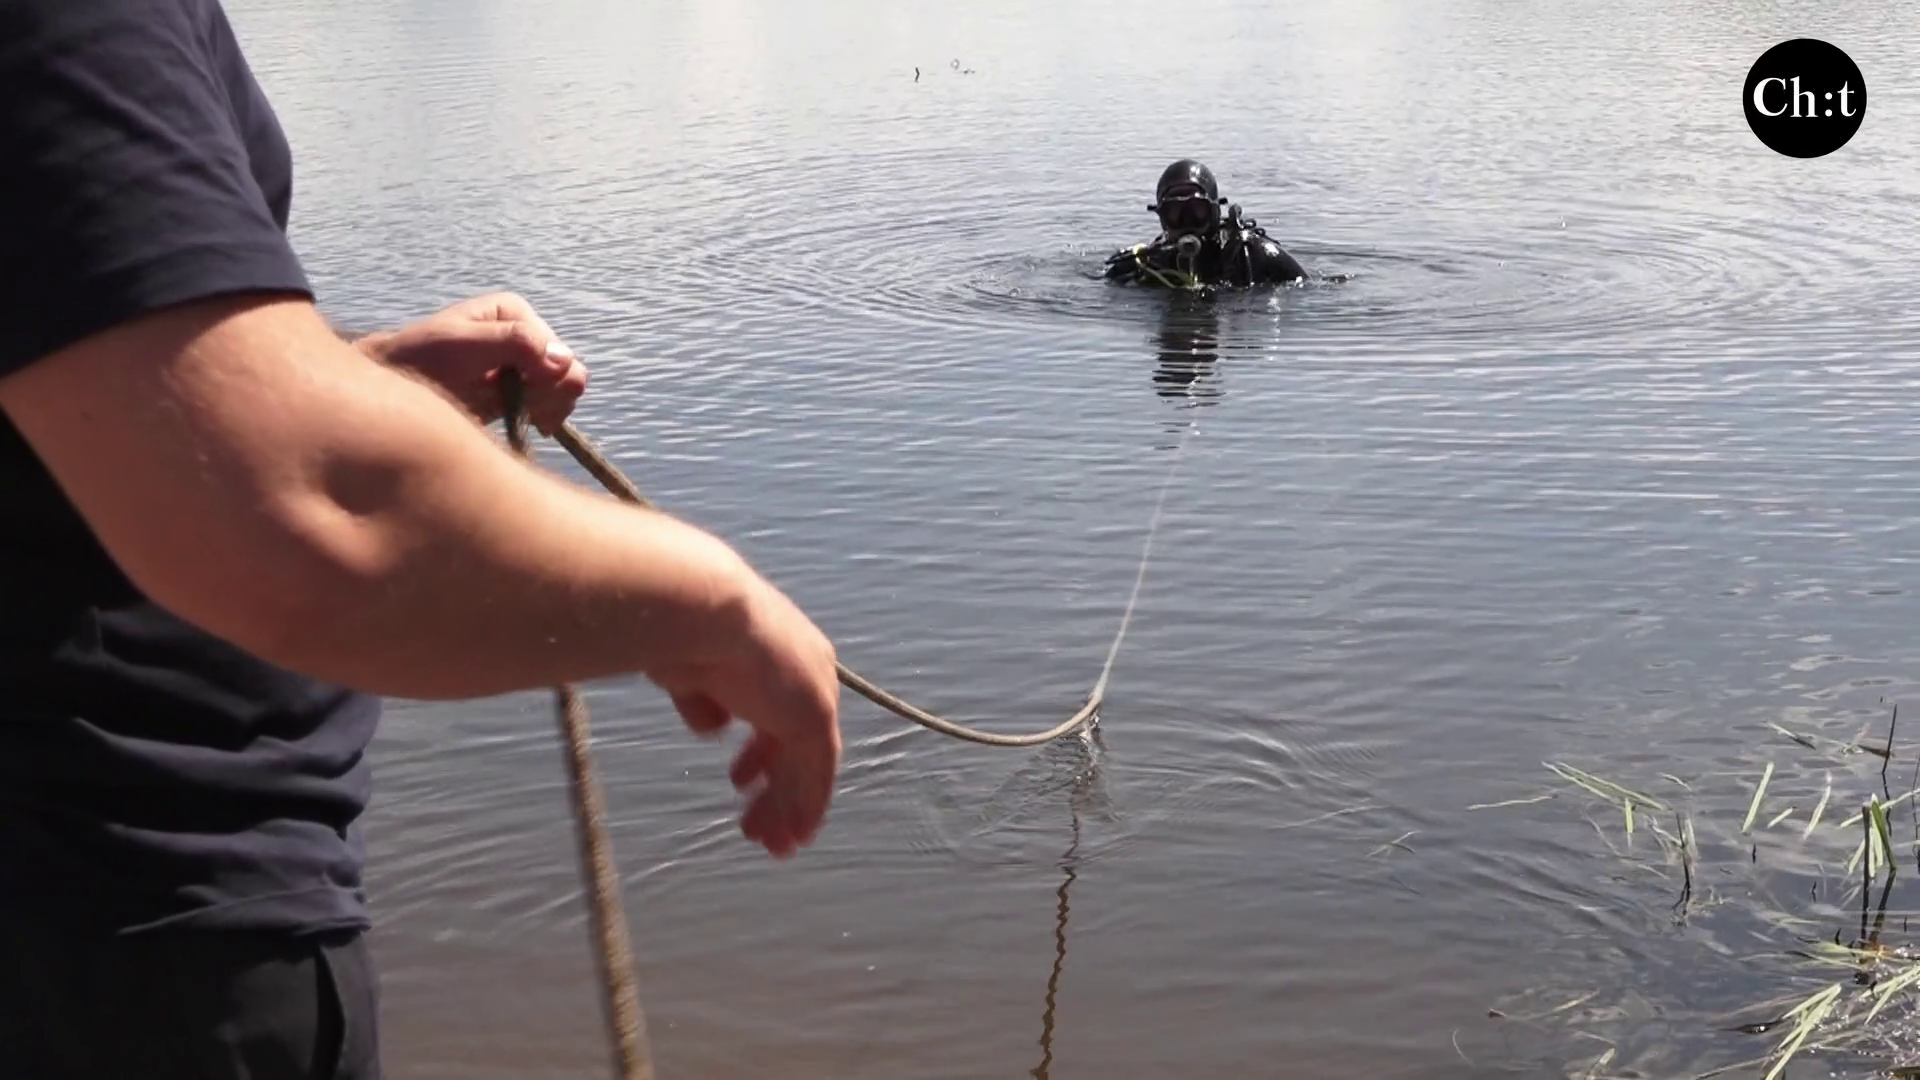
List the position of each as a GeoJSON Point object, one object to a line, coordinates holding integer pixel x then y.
{"type": "Point", "coordinates": [261, 478]}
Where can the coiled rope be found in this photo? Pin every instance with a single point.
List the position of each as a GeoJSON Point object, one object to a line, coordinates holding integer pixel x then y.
{"type": "Point", "coordinates": [614, 955]}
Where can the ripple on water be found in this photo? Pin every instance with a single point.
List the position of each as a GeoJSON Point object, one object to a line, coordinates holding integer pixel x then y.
{"type": "Point", "coordinates": [1166, 770]}
{"type": "Point", "coordinates": [1593, 450]}
{"type": "Point", "coordinates": [854, 238]}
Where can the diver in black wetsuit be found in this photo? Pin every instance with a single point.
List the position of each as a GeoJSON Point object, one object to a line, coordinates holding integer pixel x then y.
{"type": "Point", "coordinates": [1197, 247]}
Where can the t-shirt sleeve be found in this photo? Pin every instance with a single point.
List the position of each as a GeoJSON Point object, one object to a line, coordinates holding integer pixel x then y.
{"type": "Point", "coordinates": [125, 182]}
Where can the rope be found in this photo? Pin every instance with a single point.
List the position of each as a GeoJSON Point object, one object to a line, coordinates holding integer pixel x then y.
{"type": "Point", "coordinates": [633, 1060]}
{"type": "Point", "coordinates": [1172, 277]}
{"type": "Point", "coordinates": [603, 470]}
{"type": "Point", "coordinates": [614, 956]}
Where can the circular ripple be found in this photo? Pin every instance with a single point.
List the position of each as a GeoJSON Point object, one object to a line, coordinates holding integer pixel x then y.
{"type": "Point", "coordinates": [890, 235]}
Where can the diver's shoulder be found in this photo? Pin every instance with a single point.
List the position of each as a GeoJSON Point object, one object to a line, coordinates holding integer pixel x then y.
{"type": "Point", "coordinates": [1276, 263]}
{"type": "Point", "coordinates": [1281, 264]}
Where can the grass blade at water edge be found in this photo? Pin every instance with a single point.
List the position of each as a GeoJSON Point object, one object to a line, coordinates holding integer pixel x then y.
{"type": "Point", "coordinates": [1512, 802]}
{"type": "Point", "coordinates": [1819, 808]}
{"type": "Point", "coordinates": [1810, 1012]}
{"type": "Point", "coordinates": [1885, 832]}
{"type": "Point", "coordinates": [1885, 991]}
{"type": "Point", "coordinates": [1801, 739]}
{"type": "Point", "coordinates": [1758, 794]}
{"type": "Point", "coordinates": [1605, 789]}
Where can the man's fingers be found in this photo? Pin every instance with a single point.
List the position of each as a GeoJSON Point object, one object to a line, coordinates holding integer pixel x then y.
{"type": "Point", "coordinates": [787, 811]}
{"type": "Point", "coordinates": [550, 407]}
{"type": "Point", "coordinates": [530, 348]}
{"type": "Point", "coordinates": [553, 376]}
{"type": "Point", "coordinates": [762, 820]}
{"type": "Point", "coordinates": [767, 822]}
{"type": "Point", "coordinates": [526, 344]}
{"type": "Point", "coordinates": [503, 307]}
{"type": "Point", "coordinates": [750, 762]}
{"type": "Point", "coordinates": [701, 713]}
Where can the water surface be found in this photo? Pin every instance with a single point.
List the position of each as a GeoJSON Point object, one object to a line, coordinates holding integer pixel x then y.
{"type": "Point", "coordinates": [1602, 453]}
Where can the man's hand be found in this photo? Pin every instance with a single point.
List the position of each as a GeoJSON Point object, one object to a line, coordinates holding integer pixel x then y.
{"type": "Point", "coordinates": [778, 676]}
{"type": "Point", "coordinates": [464, 348]}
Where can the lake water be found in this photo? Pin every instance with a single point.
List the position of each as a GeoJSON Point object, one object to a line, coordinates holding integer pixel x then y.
{"type": "Point", "coordinates": [1603, 454]}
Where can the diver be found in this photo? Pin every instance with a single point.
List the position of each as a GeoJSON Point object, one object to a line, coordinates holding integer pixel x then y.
{"type": "Point", "coordinates": [1198, 246]}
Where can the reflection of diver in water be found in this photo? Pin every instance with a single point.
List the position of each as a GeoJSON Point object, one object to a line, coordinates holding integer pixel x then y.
{"type": "Point", "coordinates": [1188, 351]}
{"type": "Point", "coordinates": [1196, 247]}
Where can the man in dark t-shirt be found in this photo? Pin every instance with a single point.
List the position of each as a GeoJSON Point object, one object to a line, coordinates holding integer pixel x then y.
{"type": "Point", "coordinates": [224, 531]}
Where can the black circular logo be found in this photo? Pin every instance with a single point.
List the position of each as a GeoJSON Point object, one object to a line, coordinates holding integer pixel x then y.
{"type": "Point", "coordinates": [1805, 98]}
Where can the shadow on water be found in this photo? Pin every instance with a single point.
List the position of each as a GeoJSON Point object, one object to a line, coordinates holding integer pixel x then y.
{"type": "Point", "coordinates": [1040, 1071]}
{"type": "Point", "coordinates": [1084, 791]}
{"type": "Point", "coordinates": [1065, 774]}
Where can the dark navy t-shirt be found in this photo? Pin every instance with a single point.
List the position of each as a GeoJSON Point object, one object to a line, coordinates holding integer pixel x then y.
{"type": "Point", "coordinates": [151, 775]}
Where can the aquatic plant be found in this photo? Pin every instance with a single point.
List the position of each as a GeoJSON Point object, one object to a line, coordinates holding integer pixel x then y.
{"type": "Point", "coordinates": [1865, 992]}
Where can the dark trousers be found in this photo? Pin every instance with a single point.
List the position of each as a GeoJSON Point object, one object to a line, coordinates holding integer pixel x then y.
{"type": "Point", "coordinates": [186, 1006]}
